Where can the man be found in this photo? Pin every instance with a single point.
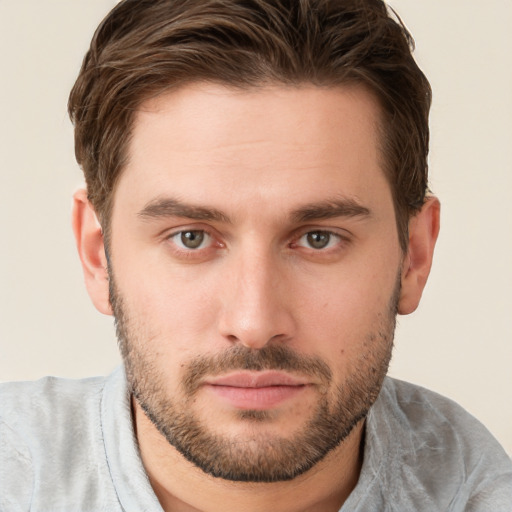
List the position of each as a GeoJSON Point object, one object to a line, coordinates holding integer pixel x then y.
{"type": "Point", "coordinates": [256, 215]}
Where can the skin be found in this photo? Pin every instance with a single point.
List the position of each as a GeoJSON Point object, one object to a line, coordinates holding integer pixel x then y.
{"type": "Point", "coordinates": [270, 162]}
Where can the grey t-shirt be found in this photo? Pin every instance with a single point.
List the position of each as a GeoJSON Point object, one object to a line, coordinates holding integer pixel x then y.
{"type": "Point", "coordinates": [69, 446]}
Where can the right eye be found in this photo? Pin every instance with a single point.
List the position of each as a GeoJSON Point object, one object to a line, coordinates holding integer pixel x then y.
{"type": "Point", "coordinates": [319, 240]}
{"type": "Point", "coordinates": [191, 239]}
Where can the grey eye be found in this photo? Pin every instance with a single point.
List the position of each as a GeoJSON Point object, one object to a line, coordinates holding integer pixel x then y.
{"type": "Point", "coordinates": [319, 239]}
{"type": "Point", "coordinates": [193, 239]}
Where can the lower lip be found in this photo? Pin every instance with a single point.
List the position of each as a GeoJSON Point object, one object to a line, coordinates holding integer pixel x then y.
{"type": "Point", "coordinates": [256, 398]}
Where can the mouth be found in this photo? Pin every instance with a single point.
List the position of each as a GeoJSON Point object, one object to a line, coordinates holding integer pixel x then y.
{"type": "Point", "coordinates": [256, 390]}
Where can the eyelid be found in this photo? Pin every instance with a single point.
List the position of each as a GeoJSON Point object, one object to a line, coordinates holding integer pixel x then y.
{"type": "Point", "coordinates": [170, 232]}
{"type": "Point", "coordinates": [217, 241]}
{"type": "Point", "coordinates": [344, 237]}
{"type": "Point", "coordinates": [207, 240]}
{"type": "Point", "coordinates": [339, 232]}
{"type": "Point", "coordinates": [199, 253]}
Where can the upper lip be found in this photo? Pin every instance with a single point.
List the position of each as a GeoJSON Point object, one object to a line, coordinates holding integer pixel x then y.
{"type": "Point", "coordinates": [258, 379]}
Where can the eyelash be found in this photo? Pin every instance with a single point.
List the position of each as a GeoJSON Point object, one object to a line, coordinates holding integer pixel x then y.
{"type": "Point", "coordinates": [322, 233]}
{"type": "Point", "coordinates": [193, 253]}
{"type": "Point", "coordinates": [192, 232]}
{"type": "Point", "coordinates": [213, 243]}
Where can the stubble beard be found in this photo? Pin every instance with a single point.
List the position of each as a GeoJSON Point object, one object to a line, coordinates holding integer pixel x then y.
{"type": "Point", "coordinates": [257, 457]}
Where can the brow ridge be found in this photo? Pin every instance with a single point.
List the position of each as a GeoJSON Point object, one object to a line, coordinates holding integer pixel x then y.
{"type": "Point", "coordinates": [169, 207]}
{"type": "Point", "coordinates": [344, 207]}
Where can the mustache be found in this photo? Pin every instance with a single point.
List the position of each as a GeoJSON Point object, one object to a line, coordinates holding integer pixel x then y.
{"type": "Point", "coordinates": [270, 357]}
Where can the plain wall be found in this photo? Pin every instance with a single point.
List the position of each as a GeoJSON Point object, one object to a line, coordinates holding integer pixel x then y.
{"type": "Point", "coordinates": [458, 343]}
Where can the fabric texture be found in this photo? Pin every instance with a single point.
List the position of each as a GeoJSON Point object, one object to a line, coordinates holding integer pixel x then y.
{"type": "Point", "coordinates": [69, 446]}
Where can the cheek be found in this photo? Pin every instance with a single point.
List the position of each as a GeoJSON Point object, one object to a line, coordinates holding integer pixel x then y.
{"type": "Point", "coordinates": [342, 315]}
{"type": "Point", "coordinates": [171, 313]}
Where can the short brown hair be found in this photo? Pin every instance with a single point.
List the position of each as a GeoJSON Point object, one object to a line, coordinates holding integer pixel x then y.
{"type": "Point", "coordinates": [145, 47]}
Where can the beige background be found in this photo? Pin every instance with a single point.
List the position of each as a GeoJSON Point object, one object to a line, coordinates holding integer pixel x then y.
{"type": "Point", "coordinates": [460, 340]}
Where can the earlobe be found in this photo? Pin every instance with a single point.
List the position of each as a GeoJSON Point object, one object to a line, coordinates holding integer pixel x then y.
{"type": "Point", "coordinates": [89, 241]}
{"type": "Point", "coordinates": [423, 232]}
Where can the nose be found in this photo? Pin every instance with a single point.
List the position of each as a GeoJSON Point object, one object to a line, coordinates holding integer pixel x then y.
{"type": "Point", "coordinates": [256, 306]}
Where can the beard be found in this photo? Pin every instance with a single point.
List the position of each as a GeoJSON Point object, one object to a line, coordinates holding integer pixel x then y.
{"type": "Point", "coordinates": [257, 456]}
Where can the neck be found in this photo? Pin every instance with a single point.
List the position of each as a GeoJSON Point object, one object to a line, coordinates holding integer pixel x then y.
{"type": "Point", "coordinates": [182, 487]}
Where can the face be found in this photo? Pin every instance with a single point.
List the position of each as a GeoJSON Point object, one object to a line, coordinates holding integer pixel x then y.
{"type": "Point", "coordinates": [254, 273]}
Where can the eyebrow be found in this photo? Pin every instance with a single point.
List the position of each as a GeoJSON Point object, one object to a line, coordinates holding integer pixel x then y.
{"type": "Point", "coordinates": [343, 207]}
{"type": "Point", "coordinates": [168, 207]}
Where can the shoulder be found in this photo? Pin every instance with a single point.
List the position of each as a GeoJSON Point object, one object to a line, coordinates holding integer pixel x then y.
{"type": "Point", "coordinates": [54, 390]}
{"type": "Point", "coordinates": [46, 404]}
{"type": "Point", "coordinates": [442, 449]}
{"type": "Point", "coordinates": [425, 412]}
{"type": "Point", "coordinates": [50, 433]}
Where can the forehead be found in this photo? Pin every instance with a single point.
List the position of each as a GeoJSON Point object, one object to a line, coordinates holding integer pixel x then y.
{"type": "Point", "coordinates": [208, 115]}
{"type": "Point", "coordinates": [222, 144]}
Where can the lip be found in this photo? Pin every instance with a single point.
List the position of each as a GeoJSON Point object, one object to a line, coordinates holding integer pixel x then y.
{"type": "Point", "coordinates": [257, 379]}
{"type": "Point", "coordinates": [256, 390]}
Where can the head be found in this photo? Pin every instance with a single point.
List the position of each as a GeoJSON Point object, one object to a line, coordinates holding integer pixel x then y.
{"type": "Point", "coordinates": [143, 49]}
{"type": "Point", "coordinates": [258, 171]}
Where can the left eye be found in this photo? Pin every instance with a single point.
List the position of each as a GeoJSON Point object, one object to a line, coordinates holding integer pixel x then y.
{"type": "Point", "coordinates": [319, 240]}
{"type": "Point", "coordinates": [192, 239]}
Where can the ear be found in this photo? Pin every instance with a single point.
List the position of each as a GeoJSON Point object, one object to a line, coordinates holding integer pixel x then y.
{"type": "Point", "coordinates": [89, 241]}
{"type": "Point", "coordinates": [423, 231]}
